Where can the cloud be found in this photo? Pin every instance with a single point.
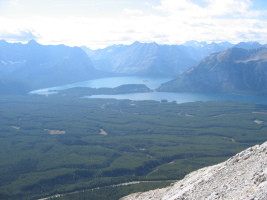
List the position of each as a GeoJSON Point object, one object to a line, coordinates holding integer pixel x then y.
{"type": "Point", "coordinates": [213, 20]}
{"type": "Point", "coordinates": [16, 30]}
{"type": "Point", "coordinates": [167, 22]}
{"type": "Point", "coordinates": [226, 7]}
{"type": "Point", "coordinates": [14, 2]}
{"type": "Point", "coordinates": [212, 8]}
{"type": "Point", "coordinates": [18, 36]}
{"type": "Point", "coordinates": [171, 6]}
{"type": "Point", "coordinates": [132, 11]}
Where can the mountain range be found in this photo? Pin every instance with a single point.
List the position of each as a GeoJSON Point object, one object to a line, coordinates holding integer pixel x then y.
{"type": "Point", "coordinates": [152, 59]}
{"type": "Point", "coordinates": [236, 70]}
{"type": "Point", "coordinates": [33, 65]}
{"type": "Point", "coordinates": [195, 66]}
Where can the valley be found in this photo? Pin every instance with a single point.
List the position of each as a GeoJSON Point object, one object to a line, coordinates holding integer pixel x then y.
{"type": "Point", "coordinates": [85, 123]}
{"type": "Point", "coordinates": [146, 141]}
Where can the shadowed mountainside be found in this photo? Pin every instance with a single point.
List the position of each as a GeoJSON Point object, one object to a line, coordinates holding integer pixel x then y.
{"type": "Point", "coordinates": [37, 66]}
{"type": "Point", "coordinates": [235, 70]}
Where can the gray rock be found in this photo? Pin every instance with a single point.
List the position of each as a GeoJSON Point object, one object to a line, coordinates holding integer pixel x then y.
{"type": "Point", "coordinates": [244, 176]}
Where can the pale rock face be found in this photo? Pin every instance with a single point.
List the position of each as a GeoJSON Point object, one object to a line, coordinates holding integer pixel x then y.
{"type": "Point", "coordinates": [244, 176]}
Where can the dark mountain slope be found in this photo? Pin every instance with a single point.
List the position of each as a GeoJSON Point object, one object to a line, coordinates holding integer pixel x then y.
{"type": "Point", "coordinates": [41, 66]}
{"type": "Point", "coordinates": [232, 71]}
{"type": "Point", "coordinates": [248, 45]}
{"type": "Point", "coordinates": [10, 87]}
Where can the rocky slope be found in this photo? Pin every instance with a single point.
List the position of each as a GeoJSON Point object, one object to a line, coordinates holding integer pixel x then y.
{"type": "Point", "coordinates": [244, 176]}
{"type": "Point", "coordinates": [235, 70]}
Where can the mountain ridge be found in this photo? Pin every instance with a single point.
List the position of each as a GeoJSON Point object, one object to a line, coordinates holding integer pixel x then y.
{"type": "Point", "coordinates": [36, 66]}
{"type": "Point", "coordinates": [151, 58]}
{"type": "Point", "coordinates": [236, 70]}
{"type": "Point", "coordinates": [40, 66]}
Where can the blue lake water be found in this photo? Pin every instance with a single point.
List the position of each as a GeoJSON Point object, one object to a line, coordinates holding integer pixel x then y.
{"type": "Point", "coordinates": [186, 97]}
{"type": "Point", "coordinates": [152, 83]}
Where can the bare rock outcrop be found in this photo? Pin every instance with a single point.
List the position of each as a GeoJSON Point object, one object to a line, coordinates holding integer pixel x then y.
{"type": "Point", "coordinates": [243, 176]}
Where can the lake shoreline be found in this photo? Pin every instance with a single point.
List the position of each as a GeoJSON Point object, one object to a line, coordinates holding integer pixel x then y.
{"type": "Point", "coordinates": [152, 83]}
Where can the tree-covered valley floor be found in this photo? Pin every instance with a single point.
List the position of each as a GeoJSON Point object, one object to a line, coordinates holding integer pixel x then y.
{"type": "Point", "coordinates": [60, 144]}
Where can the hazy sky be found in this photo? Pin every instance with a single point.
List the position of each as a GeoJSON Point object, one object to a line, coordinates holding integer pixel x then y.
{"type": "Point", "coordinates": [99, 23]}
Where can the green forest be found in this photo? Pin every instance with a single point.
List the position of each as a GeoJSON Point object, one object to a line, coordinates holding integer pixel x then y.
{"type": "Point", "coordinates": [85, 148]}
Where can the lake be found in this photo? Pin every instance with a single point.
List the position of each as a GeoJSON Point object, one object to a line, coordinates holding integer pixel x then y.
{"type": "Point", "coordinates": [152, 83]}
{"type": "Point", "coordinates": [185, 97]}
{"type": "Point", "coordinates": [111, 82]}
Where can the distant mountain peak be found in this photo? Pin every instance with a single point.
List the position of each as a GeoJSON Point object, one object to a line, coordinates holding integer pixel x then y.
{"type": "Point", "coordinates": [249, 45]}
{"type": "Point", "coordinates": [136, 42]}
{"type": "Point", "coordinates": [152, 59]}
{"type": "Point", "coordinates": [32, 42]}
{"type": "Point", "coordinates": [195, 43]}
{"type": "Point", "coordinates": [3, 41]}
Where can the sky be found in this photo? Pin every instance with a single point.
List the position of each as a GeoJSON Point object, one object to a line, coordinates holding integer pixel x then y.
{"type": "Point", "coordinates": [100, 23]}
